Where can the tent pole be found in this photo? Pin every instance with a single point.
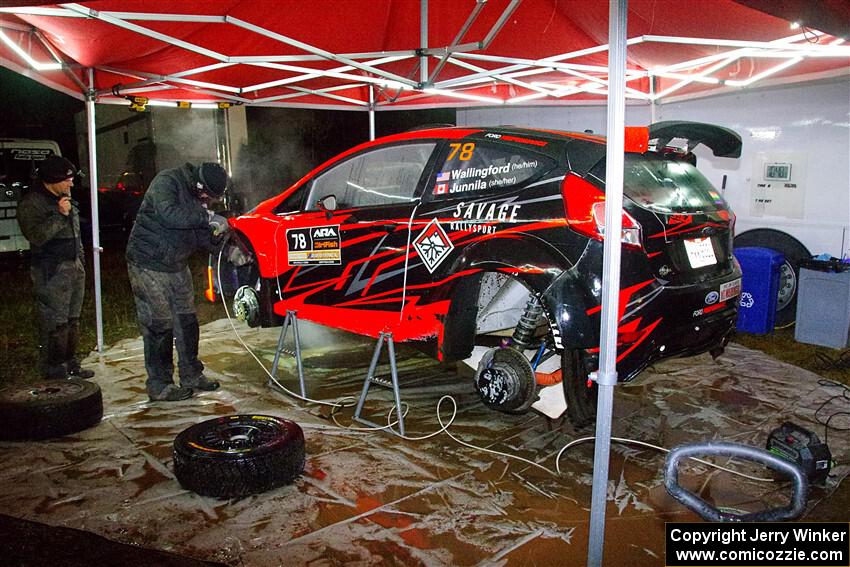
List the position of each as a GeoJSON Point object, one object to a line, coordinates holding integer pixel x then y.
{"type": "Point", "coordinates": [371, 112]}
{"type": "Point", "coordinates": [653, 111]}
{"type": "Point", "coordinates": [95, 221]}
{"type": "Point", "coordinates": [606, 377]}
{"type": "Point", "coordinates": [423, 41]}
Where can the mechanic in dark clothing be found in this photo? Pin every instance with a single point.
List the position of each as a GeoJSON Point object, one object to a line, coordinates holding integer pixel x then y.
{"type": "Point", "coordinates": [172, 223]}
{"type": "Point", "coordinates": [49, 219]}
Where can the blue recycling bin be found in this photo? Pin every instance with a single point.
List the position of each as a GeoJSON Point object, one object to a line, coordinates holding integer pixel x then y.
{"type": "Point", "coordinates": [759, 288]}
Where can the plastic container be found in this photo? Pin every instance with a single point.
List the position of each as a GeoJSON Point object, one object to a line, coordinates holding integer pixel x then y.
{"type": "Point", "coordinates": [759, 288]}
{"type": "Point", "coordinates": [823, 308]}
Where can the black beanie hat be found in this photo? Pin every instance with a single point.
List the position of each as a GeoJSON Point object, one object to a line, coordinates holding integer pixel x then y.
{"type": "Point", "coordinates": [213, 177]}
{"type": "Point", "coordinates": [55, 169]}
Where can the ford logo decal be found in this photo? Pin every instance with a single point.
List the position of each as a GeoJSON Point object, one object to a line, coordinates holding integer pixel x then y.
{"type": "Point", "coordinates": [711, 297]}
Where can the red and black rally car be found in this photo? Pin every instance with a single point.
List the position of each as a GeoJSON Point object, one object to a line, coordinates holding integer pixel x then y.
{"type": "Point", "coordinates": [454, 238]}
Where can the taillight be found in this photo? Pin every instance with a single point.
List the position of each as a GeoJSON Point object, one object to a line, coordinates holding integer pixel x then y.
{"type": "Point", "coordinates": [631, 228]}
{"type": "Point", "coordinates": [584, 204]}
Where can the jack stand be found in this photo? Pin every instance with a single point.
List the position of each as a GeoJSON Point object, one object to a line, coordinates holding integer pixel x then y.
{"type": "Point", "coordinates": [293, 320]}
{"type": "Point", "coordinates": [371, 379]}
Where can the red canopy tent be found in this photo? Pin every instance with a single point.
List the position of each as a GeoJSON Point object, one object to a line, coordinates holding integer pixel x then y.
{"type": "Point", "coordinates": [328, 53]}
{"type": "Point", "coordinates": [403, 53]}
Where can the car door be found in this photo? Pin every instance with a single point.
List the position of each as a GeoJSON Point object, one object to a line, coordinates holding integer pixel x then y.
{"type": "Point", "coordinates": [351, 255]}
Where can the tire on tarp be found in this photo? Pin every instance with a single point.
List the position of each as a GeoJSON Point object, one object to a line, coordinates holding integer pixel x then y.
{"type": "Point", "coordinates": [238, 455]}
{"type": "Point", "coordinates": [49, 409]}
{"type": "Point", "coordinates": [581, 396]}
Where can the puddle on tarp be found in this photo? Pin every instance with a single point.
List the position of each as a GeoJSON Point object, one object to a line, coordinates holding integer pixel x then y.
{"type": "Point", "coordinates": [371, 498]}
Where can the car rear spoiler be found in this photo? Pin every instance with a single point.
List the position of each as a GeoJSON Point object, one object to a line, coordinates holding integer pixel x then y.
{"type": "Point", "coordinates": [722, 141]}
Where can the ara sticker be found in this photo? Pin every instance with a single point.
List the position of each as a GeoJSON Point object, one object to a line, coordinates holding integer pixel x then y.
{"type": "Point", "coordinates": [316, 245]}
{"type": "Point", "coordinates": [433, 245]}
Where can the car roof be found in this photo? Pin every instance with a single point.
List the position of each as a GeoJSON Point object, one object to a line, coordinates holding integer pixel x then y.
{"type": "Point", "coordinates": [580, 160]}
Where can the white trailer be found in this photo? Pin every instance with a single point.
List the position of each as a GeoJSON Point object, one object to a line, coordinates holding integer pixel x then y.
{"type": "Point", "coordinates": [19, 159]}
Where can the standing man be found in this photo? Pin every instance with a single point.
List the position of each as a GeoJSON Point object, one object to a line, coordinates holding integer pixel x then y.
{"type": "Point", "coordinates": [172, 223]}
{"type": "Point", "coordinates": [49, 219]}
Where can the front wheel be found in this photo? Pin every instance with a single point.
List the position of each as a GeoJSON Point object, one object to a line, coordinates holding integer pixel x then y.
{"type": "Point", "coordinates": [578, 390]}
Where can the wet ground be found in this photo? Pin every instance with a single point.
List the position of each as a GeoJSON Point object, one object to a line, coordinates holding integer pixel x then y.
{"type": "Point", "coordinates": [369, 498]}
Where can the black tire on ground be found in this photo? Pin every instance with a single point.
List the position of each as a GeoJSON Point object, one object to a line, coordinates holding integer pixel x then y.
{"type": "Point", "coordinates": [49, 409]}
{"type": "Point", "coordinates": [794, 251]}
{"type": "Point", "coordinates": [581, 398]}
{"type": "Point", "coordinates": [238, 455]}
{"type": "Point", "coordinates": [505, 381]}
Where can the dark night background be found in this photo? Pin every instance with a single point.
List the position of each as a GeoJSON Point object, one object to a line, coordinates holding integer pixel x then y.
{"type": "Point", "coordinates": [32, 110]}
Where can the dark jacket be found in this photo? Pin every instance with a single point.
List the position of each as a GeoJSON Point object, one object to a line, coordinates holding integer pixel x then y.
{"type": "Point", "coordinates": [53, 237]}
{"type": "Point", "coordinates": [171, 224]}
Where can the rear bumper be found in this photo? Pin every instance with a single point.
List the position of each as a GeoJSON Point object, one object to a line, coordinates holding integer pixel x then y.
{"type": "Point", "coordinates": [678, 338]}
{"type": "Point", "coordinates": [662, 322]}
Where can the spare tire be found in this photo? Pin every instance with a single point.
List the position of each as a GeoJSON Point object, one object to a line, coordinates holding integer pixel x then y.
{"type": "Point", "coordinates": [49, 409]}
{"type": "Point", "coordinates": [238, 455]}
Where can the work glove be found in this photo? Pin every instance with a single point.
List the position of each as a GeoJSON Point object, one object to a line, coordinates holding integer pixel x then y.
{"type": "Point", "coordinates": [218, 224]}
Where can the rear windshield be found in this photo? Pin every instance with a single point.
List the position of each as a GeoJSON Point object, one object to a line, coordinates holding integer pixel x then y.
{"type": "Point", "coordinates": [664, 185]}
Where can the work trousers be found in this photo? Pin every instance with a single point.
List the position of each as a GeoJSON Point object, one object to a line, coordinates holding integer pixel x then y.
{"type": "Point", "coordinates": [59, 288]}
{"type": "Point", "coordinates": [165, 309]}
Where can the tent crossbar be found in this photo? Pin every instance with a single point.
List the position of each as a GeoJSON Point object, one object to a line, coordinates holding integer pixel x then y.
{"type": "Point", "coordinates": [316, 73]}
{"type": "Point", "coordinates": [132, 91]}
{"type": "Point", "coordinates": [316, 51]}
{"type": "Point", "coordinates": [38, 11]}
{"type": "Point", "coordinates": [155, 17]}
{"type": "Point", "coordinates": [523, 69]}
{"type": "Point", "coordinates": [203, 69]}
{"type": "Point", "coordinates": [316, 91]}
{"type": "Point", "coordinates": [330, 96]}
{"type": "Point", "coordinates": [16, 26]}
{"type": "Point", "coordinates": [765, 73]}
{"type": "Point", "coordinates": [497, 27]}
{"type": "Point", "coordinates": [168, 78]}
{"type": "Point", "coordinates": [470, 19]}
{"type": "Point", "coordinates": [385, 55]}
{"type": "Point", "coordinates": [423, 41]}
{"type": "Point", "coordinates": [837, 49]}
{"type": "Point", "coordinates": [312, 74]}
{"type": "Point", "coordinates": [635, 93]}
{"type": "Point", "coordinates": [503, 78]}
{"type": "Point", "coordinates": [22, 53]}
{"type": "Point", "coordinates": [104, 17]}
{"type": "Point", "coordinates": [533, 62]}
{"type": "Point", "coordinates": [65, 68]}
{"type": "Point", "coordinates": [698, 62]}
{"type": "Point", "coordinates": [462, 95]}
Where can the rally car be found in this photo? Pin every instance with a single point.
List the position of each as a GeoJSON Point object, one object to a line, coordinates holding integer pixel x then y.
{"type": "Point", "coordinates": [490, 240]}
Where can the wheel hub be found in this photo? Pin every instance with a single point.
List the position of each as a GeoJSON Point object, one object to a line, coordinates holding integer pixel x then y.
{"type": "Point", "coordinates": [505, 380]}
{"type": "Point", "coordinates": [246, 305]}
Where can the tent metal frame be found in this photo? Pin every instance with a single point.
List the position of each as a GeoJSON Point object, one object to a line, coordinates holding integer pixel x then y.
{"type": "Point", "coordinates": [359, 69]}
{"type": "Point", "coordinates": [610, 81]}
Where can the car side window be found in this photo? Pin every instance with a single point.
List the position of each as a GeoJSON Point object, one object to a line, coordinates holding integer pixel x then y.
{"type": "Point", "coordinates": [384, 176]}
{"type": "Point", "coordinates": [475, 167]}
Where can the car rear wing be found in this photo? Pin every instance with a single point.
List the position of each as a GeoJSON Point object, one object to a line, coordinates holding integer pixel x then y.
{"type": "Point", "coordinates": [723, 142]}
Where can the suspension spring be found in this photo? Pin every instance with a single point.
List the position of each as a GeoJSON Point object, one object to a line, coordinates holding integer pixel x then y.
{"type": "Point", "coordinates": [527, 324]}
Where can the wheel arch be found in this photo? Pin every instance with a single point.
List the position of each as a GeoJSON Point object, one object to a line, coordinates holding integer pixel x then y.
{"type": "Point", "coordinates": [529, 260]}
